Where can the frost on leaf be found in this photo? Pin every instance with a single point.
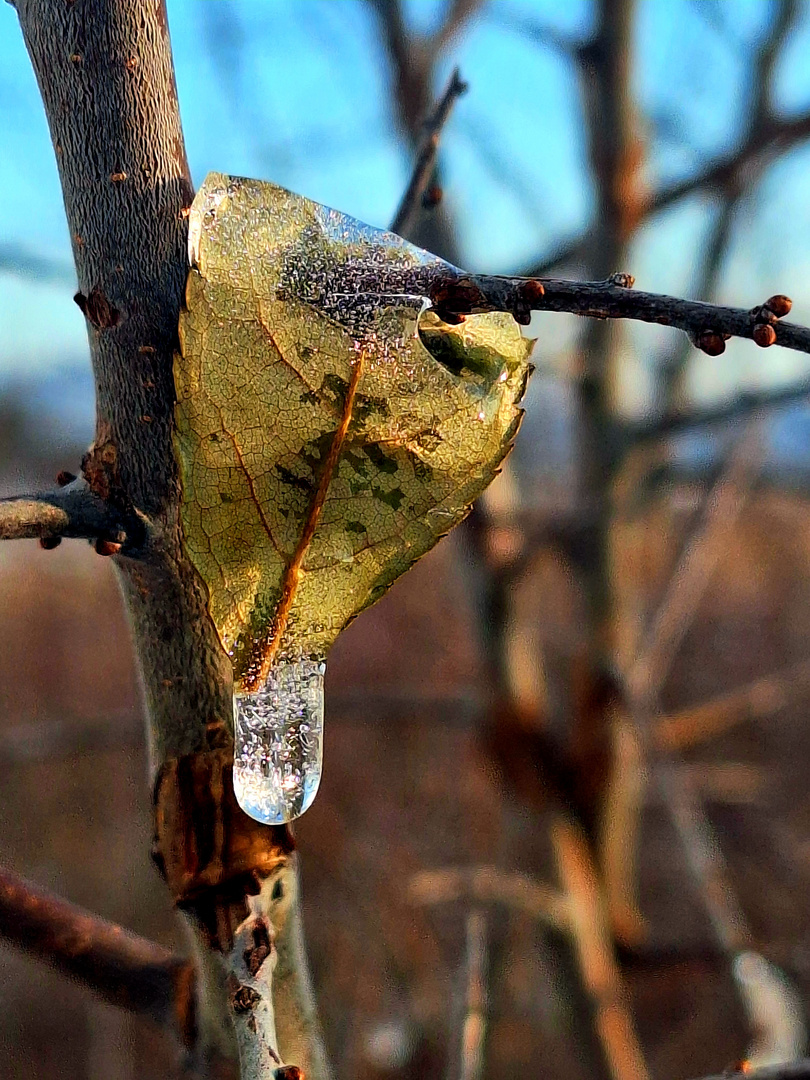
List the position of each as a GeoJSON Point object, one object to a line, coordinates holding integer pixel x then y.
{"type": "Point", "coordinates": [329, 427]}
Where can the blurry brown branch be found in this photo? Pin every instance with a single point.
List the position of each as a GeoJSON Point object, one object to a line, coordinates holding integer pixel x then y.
{"type": "Point", "coordinates": [593, 946]}
{"type": "Point", "coordinates": [772, 138]}
{"type": "Point", "coordinates": [761, 698]}
{"type": "Point", "coordinates": [412, 200]}
{"type": "Point", "coordinates": [413, 58]}
{"type": "Point", "coordinates": [491, 885]}
{"type": "Point", "coordinates": [413, 61]}
{"type": "Point", "coordinates": [691, 577]}
{"type": "Point", "coordinates": [474, 1026]}
{"type": "Point", "coordinates": [74, 510]}
{"type": "Point", "coordinates": [124, 969]}
{"type": "Point", "coordinates": [745, 404]}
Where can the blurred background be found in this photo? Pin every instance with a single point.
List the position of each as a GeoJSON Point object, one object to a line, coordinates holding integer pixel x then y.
{"type": "Point", "coordinates": [564, 827]}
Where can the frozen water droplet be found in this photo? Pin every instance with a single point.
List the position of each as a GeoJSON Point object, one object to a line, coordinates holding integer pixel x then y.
{"type": "Point", "coordinates": [278, 740]}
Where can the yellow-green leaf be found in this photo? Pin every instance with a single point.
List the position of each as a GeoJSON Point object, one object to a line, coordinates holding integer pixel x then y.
{"type": "Point", "coordinates": [323, 445]}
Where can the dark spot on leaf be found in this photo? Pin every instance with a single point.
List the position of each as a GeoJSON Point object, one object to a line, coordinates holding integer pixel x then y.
{"type": "Point", "coordinates": [355, 527]}
{"type": "Point", "coordinates": [334, 385]}
{"type": "Point", "coordinates": [357, 462]}
{"type": "Point", "coordinates": [366, 406]}
{"type": "Point", "coordinates": [289, 478]}
{"type": "Point", "coordinates": [393, 498]}
{"type": "Point", "coordinates": [380, 460]}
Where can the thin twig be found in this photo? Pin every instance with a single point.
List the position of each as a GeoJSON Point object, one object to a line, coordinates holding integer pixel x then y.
{"type": "Point", "coordinates": [691, 577]}
{"type": "Point", "coordinates": [250, 992]}
{"type": "Point", "coordinates": [763, 697]}
{"type": "Point", "coordinates": [70, 511]}
{"type": "Point", "coordinates": [762, 147]}
{"type": "Point", "coordinates": [740, 407]}
{"type": "Point", "coordinates": [593, 944]}
{"type": "Point", "coordinates": [491, 885]}
{"type": "Point", "coordinates": [425, 164]}
{"type": "Point", "coordinates": [611, 299]}
{"type": "Point", "coordinates": [474, 1027]}
{"type": "Point", "coordinates": [124, 969]}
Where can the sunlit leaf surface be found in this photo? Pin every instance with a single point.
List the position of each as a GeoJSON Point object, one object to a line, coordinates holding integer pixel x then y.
{"type": "Point", "coordinates": [324, 445]}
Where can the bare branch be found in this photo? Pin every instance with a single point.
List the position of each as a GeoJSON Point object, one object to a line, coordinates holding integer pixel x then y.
{"type": "Point", "coordinates": [596, 958]}
{"type": "Point", "coordinates": [459, 13]}
{"type": "Point", "coordinates": [474, 1027]}
{"type": "Point", "coordinates": [690, 578]}
{"type": "Point", "coordinates": [124, 969]}
{"type": "Point", "coordinates": [763, 697]}
{"type": "Point", "coordinates": [759, 150]}
{"type": "Point", "coordinates": [70, 511]}
{"type": "Point", "coordinates": [741, 406]}
{"type": "Point", "coordinates": [425, 163]}
{"type": "Point", "coordinates": [708, 324]}
{"type": "Point", "coordinates": [491, 885]}
{"type": "Point", "coordinates": [250, 993]}
{"type": "Point", "coordinates": [21, 261]}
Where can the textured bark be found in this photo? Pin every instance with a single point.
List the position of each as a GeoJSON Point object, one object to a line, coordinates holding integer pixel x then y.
{"type": "Point", "coordinates": [104, 69]}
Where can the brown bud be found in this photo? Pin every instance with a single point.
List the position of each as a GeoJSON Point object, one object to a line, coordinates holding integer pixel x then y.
{"type": "Point", "coordinates": [63, 478]}
{"type": "Point", "coordinates": [780, 305]}
{"type": "Point", "coordinates": [288, 1072]}
{"type": "Point", "coordinates": [710, 342]}
{"type": "Point", "coordinates": [107, 547]}
{"type": "Point", "coordinates": [532, 290]}
{"type": "Point", "coordinates": [48, 543]}
{"type": "Point", "coordinates": [622, 281]}
{"type": "Point", "coordinates": [764, 335]}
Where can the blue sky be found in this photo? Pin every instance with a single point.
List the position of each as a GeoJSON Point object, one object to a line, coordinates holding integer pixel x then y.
{"type": "Point", "coordinates": [296, 91]}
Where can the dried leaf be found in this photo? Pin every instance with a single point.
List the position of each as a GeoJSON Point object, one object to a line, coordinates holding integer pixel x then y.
{"type": "Point", "coordinates": [322, 447]}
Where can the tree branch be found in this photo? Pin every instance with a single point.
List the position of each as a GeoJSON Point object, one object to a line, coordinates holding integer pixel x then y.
{"type": "Point", "coordinates": [740, 407]}
{"type": "Point", "coordinates": [71, 511]}
{"type": "Point", "coordinates": [250, 992]}
{"type": "Point", "coordinates": [760, 148]}
{"type": "Point", "coordinates": [683, 730]}
{"type": "Point", "coordinates": [124, 969]}
{"type": "Point", "coordinates": [708, 324]}
{"type": "Point", "coordinates": [412, 200]}
{"type": "Point", "coordinates": [105, 73]}
{"type": "Point", "coordinates": [491, 885]}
